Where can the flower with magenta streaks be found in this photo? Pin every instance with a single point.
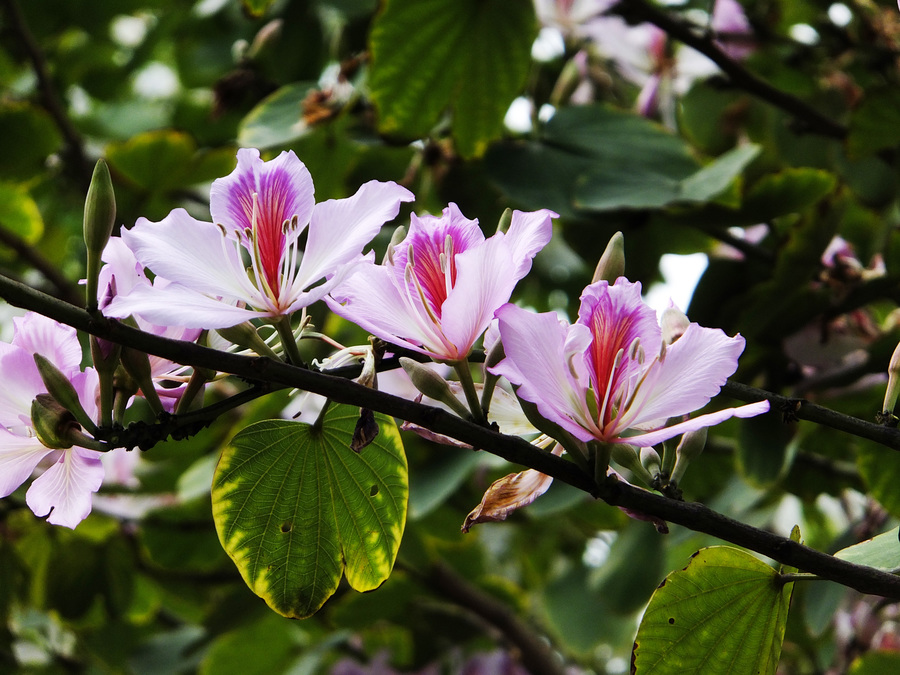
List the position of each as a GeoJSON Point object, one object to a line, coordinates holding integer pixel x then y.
{"type": "Point", "coordinates": [250, 261]}
{"type": "Point", "coordinates": [64, 489]}
{"type": "Point", "coordinates": [610, 376]}
{"type": "Point", "coordinates": [438, 290]}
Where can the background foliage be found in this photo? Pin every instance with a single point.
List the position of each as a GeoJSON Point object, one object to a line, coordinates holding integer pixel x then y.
{"type": "Point", "coordinates": [758, 167]}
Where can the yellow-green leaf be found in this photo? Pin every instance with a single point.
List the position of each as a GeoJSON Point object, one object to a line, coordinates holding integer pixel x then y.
{"type": "Point", "coordinates": [295, 508]}
{"type": "Point", "coordinates": [724, 613]}
{"type": "Point", "coordinates": [19, 213]}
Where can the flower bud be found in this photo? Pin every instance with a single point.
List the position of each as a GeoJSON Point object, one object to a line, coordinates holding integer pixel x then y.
{"type": "Point", "coordinates": [893, 385]}
{"type": "Point", "coordinates": [246, 336]}
{"type": "Point", "coordinates": [52, 422]}
{"type": "Point", "coordinates": [137, 364]}
{"type": "Point", "coordinates": [690, 447]}
{"type": "Point", "coordinates": [612, 263]}
{"type": "Point", "coordinates": [433, 386]}
{"type": "Point", "coordinates": [626, 456]}
{"type": "Point", "coordinates": [59, 387]}
{"type": "Point", "coordinates": [673, 322]}
{"type": "Point", "coordinates": [650, 460]}
{"type": "Point", "coordinates": [99, 218]}
{"type": "Point", "coordinates": [505, 220]}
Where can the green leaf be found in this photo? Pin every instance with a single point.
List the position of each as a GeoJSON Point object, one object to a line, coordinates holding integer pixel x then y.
{"type": "Point", "coordinates": [875, 124]}
{"type": "Point", "coordinates": [265, 646]}
{"type": "Point", "coordinates": [29, 137]}
{"type": "Point", "coordinates": [19, 213]}
{"type": "Point", "coordinates": [471, 56]}
{"type": "Point", "coordinates": [876, 663]}
{"type": "Point", "coordinates": [295, 508]}
{"type": "Point", "coordinates": [881, 552]}
{"type": "Point", "coordinates": [791, 190]}
{"type": "Point", "coordinates": [880, 469]}
{"type": "Point", "coordinates": [724, 613]}
{"type": "Point", "coordinates": [257, 8]}
{"type": "Point", "coordinates": [277, 119]}
{"type": "Point", "coordinates": [714, 178]}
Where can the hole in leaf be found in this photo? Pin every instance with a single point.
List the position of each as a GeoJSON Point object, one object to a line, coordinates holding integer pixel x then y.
{"type": "Point", "coordinates": [671, 620]}
{"type": "Point", "coordinates": [373, 491]}
{"type": "Point", "coordinates": [287, 526]}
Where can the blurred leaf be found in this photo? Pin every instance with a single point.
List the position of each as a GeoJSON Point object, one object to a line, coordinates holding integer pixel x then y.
{"type": "Point", "coordinates": [19, 214]}
{"type": "Point", "coordinates": [159, 161]}
{"type": "Point", "coordinates": [724, 613]}
{"type": "Point", "coordinates": [256, 8]}
{"type": "Point", "coordinates": [634, 568]}
{"type": "Point", "coordinates": [791, 190]}
{"type": "Point", "coordinates": [432, 484]}
{"type": "Point", "coordinates": [469, 55]}
{"type": "Point", "coordinates": [875, 124]}
{"type": "Point", "coordinates": [295, 508]}
{"type": "Point", "coordinates": [764, 454]}
{"type": "Point", "coordinates": [881, 552]}
{"type": "Point", "coordinates": [180, 538]}
{"type": "Point", "coordinates": [29, 138]}
{"type": "Point", "coordinates": [876, 663]}
{"type": "Point", "coordinates": [880, 469]}
{"type": "Point", "coordinates": [265, 646]}
{"type": "Point", "coordinates": [277, 119]}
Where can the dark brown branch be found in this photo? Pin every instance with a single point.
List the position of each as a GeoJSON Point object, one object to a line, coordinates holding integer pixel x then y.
{"type": "Point", "coordinates": [512, 448]}
{"type": "Point", "coordinates": [49, 97]}
{"type": "Point", "coordinates": [65, 289]}
{"type": "Point", "coordinates": [809, 119]}
{"type": "Point", "coordinates": [797, 408]}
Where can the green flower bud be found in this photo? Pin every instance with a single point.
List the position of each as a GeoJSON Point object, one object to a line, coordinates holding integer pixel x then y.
{"type": "Point", "coordinates": [246, 336]}
{"type": "Point", "coordinates": [690, 447]}
{"type": "Point", "coordinates": [99, 218]}
{"type": "Point", "coordinates": [59, 387]}
{"type": "Point", "coordinates": [626, 456]}
{"type": "Point", "coordinates": [612, 263]}
{"type": "Point", "coordinates": [52, 422]}
{"type": "Point", "coordinates": [505, 220]}
{"type": "Point", "coordinates": [137, 364]}
{"type": "Point", "coordinates": [650, 460]}
{"type": "Point", "coordinates": [433, 386]}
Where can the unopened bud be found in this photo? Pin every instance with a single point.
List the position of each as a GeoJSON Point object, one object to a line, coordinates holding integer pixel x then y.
{"type": "Point", "coordinates": [689, 449]}
{"type": "Point", "coordinates": [612, 263]}
{"type": "Point", "coordinates": [505, 220]}
{"type": "Point", "coordinates": [433, 386]}
{"type": "Point", "coordinates": [52, 422]}
{"type": "Point", "coordinates": [674, 323]}
{"type": "Point", "coordinates": [59, 387]}
{"type": "Point", "coordinates": [893, 385]}
{"type": "Point", "coordinates": [246, 336]}
{"type": "Point", "coordinates": [626, 456]}
{"type": "Point", "coordinates": [137, 364]}
{"type": "Point", "coordinates": [99, 218]}
{"type": "Point", "coordinates": [650, 460]}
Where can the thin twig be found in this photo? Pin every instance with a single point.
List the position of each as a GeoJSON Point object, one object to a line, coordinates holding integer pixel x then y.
{"type": "Point", "coordinates": [693, 516]}
{"type": "Point", "coordinates": [810, 119]}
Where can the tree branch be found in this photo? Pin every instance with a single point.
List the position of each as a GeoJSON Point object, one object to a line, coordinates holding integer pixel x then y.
{"type": "Point", "coordinates": [65, 289]}
{"type": "Point", "coordinates": [810, 119]}
{"type": "Point", "coordinates": [512, 448]}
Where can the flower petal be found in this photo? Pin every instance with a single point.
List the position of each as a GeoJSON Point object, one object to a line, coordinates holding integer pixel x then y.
{"type": "Point", "coordinates": [340, 228]}
{"type": "Point", "coordinates": [19, 455]}
{"type": "Point", "coordinates": [17, 366]}
{"type": "Point", "coordinates": [64, 490]}
{"type": "Point", "coordinates": [536, 362]}
{"type": "Point", "coordinates": [57, 343]}
{"type": "Point", "coordinates": [284, 187]}
{"type": "Point", "coordinates": [528, 233]}
{"type": "Point", "coordinates": [708, 420]}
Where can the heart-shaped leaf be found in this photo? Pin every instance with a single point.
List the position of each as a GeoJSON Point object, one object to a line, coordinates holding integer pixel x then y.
{"type": "Point", "coordinates": [295, 508]}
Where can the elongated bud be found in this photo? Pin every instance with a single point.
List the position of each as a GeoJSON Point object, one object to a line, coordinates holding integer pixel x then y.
{"type": "Point", "coordinates": [52, 422]}
{"type": "Point", "coordinates": [433, 386]}
{"type": "Point", "coordinates": [99, 218]}
{"type": "Point", "coordinates": [137, 364]}
{"type": "Point", "coordinates": [105, 356]}
{"type": "Point", "coordinates": [689, 449]}
{"type": "Point", "coordinates": [246, 336]}
{"type": "Point", "coordinates": [626, 456]}
{"type": "Point", "coordinates": [612, 263]}
{"type": "Point", "coordinates": [673, 322]}
{"type": "Point", "coordinates": [893, 385]}
{"type": "Point", "coordinates": [505, 221]}
{"type": "Point", "coordinates": [59, 387]}
{"type": "Point", "coordinates": [650, 460]}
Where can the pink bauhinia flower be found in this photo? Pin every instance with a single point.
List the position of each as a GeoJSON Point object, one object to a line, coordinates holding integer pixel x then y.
{"type": "Point", "coordinates": [438, 291]}
{"type": "Point", "coordinates": [610, 376]}
{"type": "Point", "coordinates": [259, 211]}
{"type": "Point", "coordinates": [64, 489]}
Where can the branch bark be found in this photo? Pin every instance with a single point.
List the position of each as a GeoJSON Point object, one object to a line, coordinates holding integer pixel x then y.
{"type": "Point", "coordinates": [512, 448]}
